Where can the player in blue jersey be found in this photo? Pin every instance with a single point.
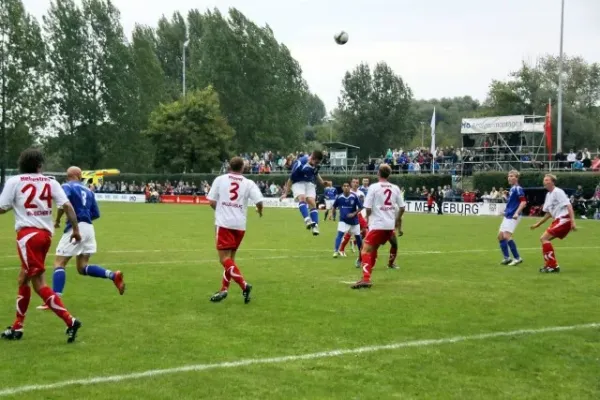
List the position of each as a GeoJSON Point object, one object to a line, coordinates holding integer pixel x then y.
{"type": "Point", "coordinates": [330, 196]}
{"type": "Point", "coordinates": [303, 180]}
{"type": "Point", "coordinates": [365, 186]}
{"type": "Point", "coordinates": [350, 206]}
{"type": "Point", "coordinates": [86, 209]}
{"type": "Point", "coordinates": [515, 204]}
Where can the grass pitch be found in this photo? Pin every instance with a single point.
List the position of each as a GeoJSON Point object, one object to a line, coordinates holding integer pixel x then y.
{"type": "Point", "coordinates": [449, 285]}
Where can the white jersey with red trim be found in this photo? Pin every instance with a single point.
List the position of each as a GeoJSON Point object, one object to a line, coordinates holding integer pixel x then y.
{"type": "Point", "coordinates": [361, 197]}
{"type": "Point", "coordinates": [31, 196]}
{"type": "Point", "coordinates": [557, 203]}
{"type": "Point", "coordinates": [384, 200]}
{"type": "Point", "coordinates": [231, 192]}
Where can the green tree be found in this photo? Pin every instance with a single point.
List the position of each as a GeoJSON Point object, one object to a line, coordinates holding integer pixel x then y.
{"type": "Point", "coordinates": [375, 109]}
{"type": "Point", "coordinates": [190, 134]}
{"type": "Point", "coordinates": [260, 84]}
{"type": "Point", "coordinates": [315, 109]}
{"type": "Point", "coordinates": [23, 84]}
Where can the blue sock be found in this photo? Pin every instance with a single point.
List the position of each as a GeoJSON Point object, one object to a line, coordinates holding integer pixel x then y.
{"type": "Point", "coordinates": [314, 215]}
{"type": "Point", "coordinates": [513, 248]}
{"type": "Point", "coordinates": [59, 278]}
{"type": "Point", "coordinates": [504, 248]}
{"type": "Point", "coordinates": [303, 207]}
{"type": "Point", "coordinates": [358, 239]}
{"type": "Point", "coordinates": [96, 271]}
{"type": "Point", "coordinates": [334, 214]}
{"type": "Point", "coordinates": [338, 240]}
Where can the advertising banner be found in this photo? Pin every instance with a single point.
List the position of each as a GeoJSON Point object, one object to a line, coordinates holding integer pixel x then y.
{"type": "Point", "coordinates": [455, 208]}
{"type": "Point", "coordinates": [122, 198]}
{"type": "Point", "coordinates": [512, 123]}
{"type": "Point", "coordinates": [183, 199]}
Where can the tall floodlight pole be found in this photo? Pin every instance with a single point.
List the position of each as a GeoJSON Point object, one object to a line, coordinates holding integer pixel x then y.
{"type": "Point", "coordinates": [185, 45]}
{"type": "Point", "coordinates": [560, 80]}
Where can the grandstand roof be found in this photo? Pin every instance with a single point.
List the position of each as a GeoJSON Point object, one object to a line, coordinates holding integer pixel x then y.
{"type": "Point", "coordinates": [341, 145]}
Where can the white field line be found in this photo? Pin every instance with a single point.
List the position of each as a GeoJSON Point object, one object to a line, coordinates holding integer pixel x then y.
{"type": "Point", "coordinates": [284, 257]}
{"type": "Point", "coordinates": [201, 261]}
{"type": "Point", "coordinates": [285, 359]}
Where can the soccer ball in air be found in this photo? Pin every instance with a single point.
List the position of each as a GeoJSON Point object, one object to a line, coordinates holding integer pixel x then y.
{"type": "Point", "coordinates": [341, 38]}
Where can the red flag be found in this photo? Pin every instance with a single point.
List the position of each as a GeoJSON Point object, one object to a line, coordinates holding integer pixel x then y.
{"type": "Point", "coordinates": [548, 130]}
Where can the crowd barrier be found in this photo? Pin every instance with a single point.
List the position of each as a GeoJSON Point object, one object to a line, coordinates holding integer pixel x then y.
{"type": "Point", "coordinates": [450, 207]}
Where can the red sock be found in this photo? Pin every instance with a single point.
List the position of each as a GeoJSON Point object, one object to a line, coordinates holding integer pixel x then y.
{"type": "Point", "coordinates": [344, 242]}
{"type": "Point", "coordinates": [549, 256]}
{"type": "Point", "coordinates": [54, 302]}
{"type": "Point", "coordinates": [368, 261]}
{"type": "Point", "coordinates": [234, 272]}
{"type": "Point", "coordinates": [22, 306]}
{"type": "Point", "coordinates": [226, 280]}
{"type": "Point", "coordinates": [393, 254]}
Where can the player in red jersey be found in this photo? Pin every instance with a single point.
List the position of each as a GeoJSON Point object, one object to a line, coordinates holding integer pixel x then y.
{"type": "Point", "coordinates": [228, 196]}
{"type": "Point", "coordinates": [557, 206]}
{"type": "Point", "coordinates": [30, 195]}
{"type": "Point", "coordinates": [385, 208]}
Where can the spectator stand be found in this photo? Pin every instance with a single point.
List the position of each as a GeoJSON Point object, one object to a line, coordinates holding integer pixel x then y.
{"type": "Point", "coordinates": [504, 143]}
{"type": "Point", "coordinates": [343, 157]}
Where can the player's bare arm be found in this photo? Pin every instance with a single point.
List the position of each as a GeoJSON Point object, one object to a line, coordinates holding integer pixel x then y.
{"type": "Point", "coordinates": [572, 216]}
{"type": "Point", "coordinates": [59, 215]}
{"type": "Point", "coordinates": [323, 182]}
{"type": "Point", "coordinates": [213, 204]}
{"type": "Point", "coordinates": [286, 188]}
{"type": "Point", "coordinates": [522, 206]}
{"type": "Point", "coordinates": [541, 221]}
{"type": "Point", "coordinates": [72, 217]}
{"type": "Point", "coordinates": [399, 221]}
{"type": "Point", "coordinates": [3, 211]}
{"type": "Point", "coordinates": [259, 208]}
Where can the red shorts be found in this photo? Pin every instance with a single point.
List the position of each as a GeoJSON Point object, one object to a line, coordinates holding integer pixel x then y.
{"type": "Point", "coordinates": [560, 227]}
{"type": "Point", "coordinates": [229, 239]}
{"type": "Point", "coordinates": [33, 245]}
{"type": "Point", "coordinates": [378, 237]}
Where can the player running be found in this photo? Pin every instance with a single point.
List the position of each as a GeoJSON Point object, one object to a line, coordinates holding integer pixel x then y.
{"type": "Point", "coordinates": [557, 206]}
{"type": "Point", "coordinates": [385, 208]}
{"type": "Point", "coordinates": [512, 215]}
{"type": "Point", "coordinates": [30, 194]}
{"type": "Point", "coordinates": [84, 203]}
{"type": "Point", "coordinates": [305, 173]}
{"type": "Point", "coordinates": [330, 196]}
{"type": "Point", "coordinates": [228, 196]}
{"type": "Point", "coordinates": [350, 206]}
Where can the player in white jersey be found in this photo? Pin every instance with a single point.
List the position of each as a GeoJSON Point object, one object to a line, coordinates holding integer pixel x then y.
{"type": "Point", "coordinates": [30, 196]}
{"type": "Point", "coordinates": [557, 206]}
{"type": "Point", "coordinates": [229, 196]}
{"type": "Point", "coordinates": [385, 208]}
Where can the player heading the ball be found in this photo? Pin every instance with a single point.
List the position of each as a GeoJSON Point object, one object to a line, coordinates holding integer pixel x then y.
{"type": "Point", "coordinates": [31, 195]}
{"type": "Point", "coordinates": [515, 205]}
{"type": "Point", "coordinates": [229, 196]}
{"type": "Point", "coordinates": [303, 180]}
{"type": "Point", "coordinates": [385, 208]}
{"type": "Point", "coordinates": [557, 206]}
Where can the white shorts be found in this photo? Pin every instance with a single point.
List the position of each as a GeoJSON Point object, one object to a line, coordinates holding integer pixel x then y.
{"type": "Point", "coordinates": [509, 225]}
{"type": "Point", "coordinates": [329, 204]}
{"type": "Point", "coordinates": [352, 229]}
{"type": "Point", "coordinates": [306, 189]}
{"type": "Point", "coordinates": [87, 245]}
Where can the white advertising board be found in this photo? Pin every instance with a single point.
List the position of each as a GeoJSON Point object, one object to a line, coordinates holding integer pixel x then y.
{"type": "Point", "coordinates": [121, 198]}
{"type": "Point", "coordinates": [511, 123]}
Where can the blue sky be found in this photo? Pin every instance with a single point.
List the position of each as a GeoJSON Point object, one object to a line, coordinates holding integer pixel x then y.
{"type": "Point", "coordinates": [441, 48]}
